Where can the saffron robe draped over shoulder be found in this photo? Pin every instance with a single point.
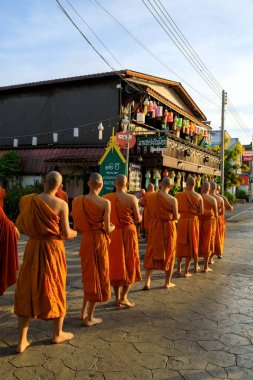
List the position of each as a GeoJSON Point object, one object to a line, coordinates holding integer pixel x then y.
{"type": "Point", "coordinates": [2, 196]}
{"type": "Point", "coordinates": [206, 229]}
{"type": "Point", "coordinates": [41, 285]}
{"type": "Point", "coordinates": [88, 219]}
{"type": "Point", "coordinates": [62, 195]}
{"type": "Point", "coordinates": [188, 225]}
{"type": "Point", "coordinates": [145, 219]}
{"type": "Point", "coordinates": [220, 231]}
{"type": "Point", "coordinates": [161, 247]}
{"type": "Point", "coordinates": [9, 263]}
{"type": "Point", "coordinates": [124, 248]}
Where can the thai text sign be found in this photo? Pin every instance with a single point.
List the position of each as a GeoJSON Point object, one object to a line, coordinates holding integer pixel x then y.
{"type": "Point", "coordinates": [154, 141]}
{"type": "Point", "coordinates": [111, 166]}
{"type": "Point", "coordinates": [247, 156]}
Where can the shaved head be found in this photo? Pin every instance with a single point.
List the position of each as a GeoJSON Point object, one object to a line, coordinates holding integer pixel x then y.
{"type": "Point", "coordinates": [205, 186]}
{"type": "Point", "coordinates": [190, 182]}
{"type": "Point", "coordinates": [120, 180]}
{"type": "Point", "coordinates": [166, 182]}
{"type": "Point", "coordinates": [95, 180]}
{"type": "Point", "coordinates": [213, 185]}
{"type": "Point", "coordinates": [151, 187]}
{"type": "Point", "coordinates": [53, 180]}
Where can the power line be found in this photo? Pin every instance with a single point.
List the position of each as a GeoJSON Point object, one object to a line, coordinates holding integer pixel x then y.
{"type": "Point", "coordinates": [179, 45]}
{"type": "Point", "coordinates": [94, 48]}
{"type": "Point", "coordinates": [140, 43]}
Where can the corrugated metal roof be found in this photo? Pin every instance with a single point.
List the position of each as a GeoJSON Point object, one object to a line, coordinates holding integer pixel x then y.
{"type": "Point", "coordinates": [42, 160]}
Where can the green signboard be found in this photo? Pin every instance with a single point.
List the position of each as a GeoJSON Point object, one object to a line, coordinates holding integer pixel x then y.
{"type": "Point", "coordinates": [111, 164]}
{"type": "Point", "coordinates": [152, 141]}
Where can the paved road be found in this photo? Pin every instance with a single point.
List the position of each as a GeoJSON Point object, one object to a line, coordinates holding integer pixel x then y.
{"type": "Point", "coordinates": [200, 330]}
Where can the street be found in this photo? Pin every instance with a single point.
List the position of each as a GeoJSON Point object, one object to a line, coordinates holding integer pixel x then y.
{"type": "Point", "coordinates": [200, 330]}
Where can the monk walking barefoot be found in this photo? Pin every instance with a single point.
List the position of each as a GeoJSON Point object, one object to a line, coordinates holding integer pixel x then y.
{"type": "Point", "coordinates": [91, 215]}
{"type": "Point", "coordinates": [161, 212]}
{"type": "Point", "coordinates": [40, 291]}
{"type": "Point", "coordinates": [9, 262]}
{"type": "Point", "coordinates": [190, 205]}
{"type": "Point", "coordinates": [207, 225]}
{"type": "Point", "coordinates": [220, 223]}
{"type": "Point", "coordinates": [123, 249]}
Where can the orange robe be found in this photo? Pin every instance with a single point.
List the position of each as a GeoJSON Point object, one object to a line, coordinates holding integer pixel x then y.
{"type": "Point", "coordinates": [88, 219]}
{"type": "Point", "coordinates": [40, 291]}
{"type": "Point", "coordinates": [188, 225]}
{"type": "Point", "coordinates": [9, 263]}
{"type": "Point", "coordinates": [161, 248]}
{"type": "Point", "coordinates": [2, 196]}
{"type": "Point", "coordinates": [220, 232]}
{"type": "Point", "coordinates": [62, 195]}
{"type": "Point", "coordinates": [206, 227]}
{"type": "Point", "coordinates": [124, 249]}
{"type": "Point", "coordinates": [145, 219]}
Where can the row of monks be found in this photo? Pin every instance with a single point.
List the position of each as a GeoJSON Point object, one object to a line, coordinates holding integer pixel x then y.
{"type": "Point", "coordinates": [188, 226]}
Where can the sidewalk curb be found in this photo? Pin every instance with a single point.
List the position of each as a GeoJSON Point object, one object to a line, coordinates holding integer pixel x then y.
{"type": "Point", "coordinates": [240, 213]}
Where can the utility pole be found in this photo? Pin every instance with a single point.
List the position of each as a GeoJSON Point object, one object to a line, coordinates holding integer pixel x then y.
{"type": "Point", "coordinates": [224, 102]}
{"type": "Point", "coordinates": [128, 139]}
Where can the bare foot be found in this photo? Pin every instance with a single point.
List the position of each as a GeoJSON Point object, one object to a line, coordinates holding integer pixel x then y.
{"type": "Point", "coordinates": [63, 337]}
{"type": "Point", "coordinates": [220, 257]}
{"type": "Point", "coordinates": [187, 275]}
{"type": "Point", "coordinates": [93, 322]}
{"type": "Point", "coordinates": [211, 261]}
{"type": "Point", "coordinates": [196, 270]}
{"type": "Point", "coordinates": [118, 304]}
{"type": "Point", "coordinates": [170, 285]}
{"type": "Point", "coordinates": [22, 346]}
{"type": "Point", "coordinates": [177, 273]}
{"type": "Point", "coordinates": [127, 303]}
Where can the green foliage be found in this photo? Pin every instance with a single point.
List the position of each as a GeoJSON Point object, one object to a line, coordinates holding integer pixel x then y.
{"type": "Point", "coordinates": [241, 194]}
{"type": "Point", "coordinates": [230, 197]}
{"type": "Point", "coordinates": [175, 189]}
{"type": "Point", "coordinates": [13, 197]}
{"type": "Point", "coordinates": [10, 165]}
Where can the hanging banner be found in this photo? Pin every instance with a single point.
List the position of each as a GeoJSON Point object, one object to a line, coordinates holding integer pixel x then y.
{"type": "Point", "coordinates": [135, 177]}
{"type": "Point", "coordinates": [247, 156]}
{"type": "Point", "coordinates": [154, 141]}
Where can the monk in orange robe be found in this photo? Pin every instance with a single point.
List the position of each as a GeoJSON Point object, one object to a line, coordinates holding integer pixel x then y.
{"type": "Point", "coordinates": [123, 250]}
{"type": "Point", "coordinates": [162, 212]}
{"type": "Point", "coordinates": [9, 263]}
{"type": "Point", "coordinates": [227, 205]}
{"type": "Point", "coordinates": [207, 224]}
{"type": "Point", "coordinates": [2, 196]}
{"type": "Point", "coordinates": [190, 205]}
{"type": "Point", "coordinates": [91, 215]}
{"type": "Point", "coordinates": [40, 291]}
{"type": "Point", "coordinates": [145, 220]}
{"type": "Point", "coordinates": [220, 223]}
{"type": "Point", "coordinates": [60, 193]}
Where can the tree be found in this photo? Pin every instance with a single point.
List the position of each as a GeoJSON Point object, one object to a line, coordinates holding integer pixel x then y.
{"type": "Point", "coordinates": [232, 164]}
{"type": "Point", "coordinates": [10, 165]}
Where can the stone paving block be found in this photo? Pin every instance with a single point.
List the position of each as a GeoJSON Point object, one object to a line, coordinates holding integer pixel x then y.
{"type": "Point", "coordinates": [140, 372]}
{"type": "Point", "coordinates": [89, 375]}
{"type": "Point", "coordinates": [216, 371]}
{"type": "Point", "coordinates": [79, 361]}
{"type": "Point", "coordinates": [202, 335]}
{"type": "Point", "coordinates": [220, 358]}
{"type": "Point", "coordinates": [166, 374]}
{"type": "Point", "coordinates": [104, 365]}
{"type": "Point", "coordinates": [245, 360]}
{"type": "Point", "coordinates": [32, 373]}
{"type": "Point", "coordinates": [237, 373]}
{"type": "Point", "coordinates": [211, 345]}
{"type": "Point", "coordinates": [28, 358]}
{"type": "Point", "coordinates": [57, 367]}
{"type": "Point", "coordinates": [119, 375]}
{"type": "Point", "coordinates": [231, 339]}
{"type": "Point", "coordinates": [6, 371]}
{"type": "Point", "coordinates": [185, 362]}
{"type": "Point", "coordinates": [196, 375]}
{"type": "Point", "coordinates": [151, 360]}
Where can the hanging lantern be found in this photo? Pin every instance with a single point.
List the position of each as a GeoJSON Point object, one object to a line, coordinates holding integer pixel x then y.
{"type": "Point", "coordinates": [205, 132]}
{"type": "Point", "coordinates": [201, 132]}
{"type": "Point", "coordinates": [186, 126]}
{"type": "Point", "coordinates": [179, 123]}
{"type": "Point", "coordinates": [194, 128]}
{"type": "Point", "coordinates": [170, 117]}
{"type": "Point", "coordinates": [183, 126]}
{"type": "Point", "coordinates": [55, 137]}
{"type": "Point", "coordinates": [150, 106]}
{"type": "Point", "coordinates": [175, 123]}
{"type": "Point", "coordinates": [197, 130]}
{"type": "Point", "coordinates": [165, 115]}
{"type": "Point", "coordinates": [159, 111]}
{"type": "Point", "coordinates": [100, 130]}
{"type": "Point", "coordinates": [145, 104]}
{"type": "Point", "coordinates": [125, 123]}
{"type": "Point", "coordinates": [15, 143]}
{"type": "Point", "coordinates": [76, 132]}
{"type": "Point", "coordinates": [190, 128]}
{"type": "Point", "coordinates": [140, 117]}
{"type": "Point", "coordinates": [34, 141]}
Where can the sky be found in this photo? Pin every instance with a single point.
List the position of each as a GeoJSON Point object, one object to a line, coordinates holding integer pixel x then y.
{"type": "Point", "coordinates": [38, 42]}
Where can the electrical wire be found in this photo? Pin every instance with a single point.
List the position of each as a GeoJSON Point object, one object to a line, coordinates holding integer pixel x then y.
{"type": "Point", "coordinates": [140, 43]}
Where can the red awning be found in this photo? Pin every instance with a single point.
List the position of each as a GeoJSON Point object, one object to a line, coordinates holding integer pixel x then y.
{"type": "Point", "coordinates": [42, 160]}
